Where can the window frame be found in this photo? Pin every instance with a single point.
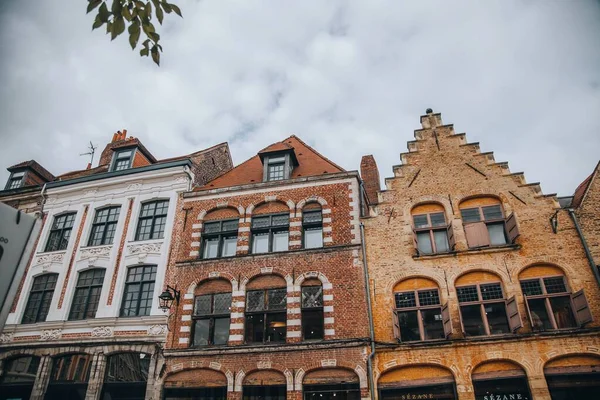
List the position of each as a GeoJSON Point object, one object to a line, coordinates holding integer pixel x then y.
{"type": "Point", "coordinates": [547, 296]}
{"type": "Point", "coordinates": [43, 299]}
{"type": "Point", "coordinates": [118, 157]}
{"type": "Point", "coordinates": [211, 317]}
{"type": "Point", "coordinates": [265, 313]}
{"type": "Point", "coordinates": [152, 217]}
{"type": "Point", "coordinates": [220, 235]}
{"type": "Point", "coordinates": [89, 288]}
{"type": "Point", "coordinates": [140, 293]}
{"type": "Point", "coordinates": [488, 222]}
{"type": "Point", "coordinates": [481, 303]}
{"type": "Point", "coordinates": [418, 308]}
{"type": "Point", "coordinates": [320, 309]}
{"type": "Point", "coordinates": [431, 229]}
{"type": "Point", "coordinates": [105, 226]}
{"type": "Point", "coordinates": [306, 226]}
{"type": "Point", "coordinates": [271, 230]}
{"type": "Point", "coordinates": [277, 160]}
{"type": "Point", "coordinates": [61, 232]}
{"type": "Point", "coordinates": [15, 177]}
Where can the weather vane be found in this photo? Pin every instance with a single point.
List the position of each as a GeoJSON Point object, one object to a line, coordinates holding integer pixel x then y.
{"type": "Point", "coordinates": [92, 150]}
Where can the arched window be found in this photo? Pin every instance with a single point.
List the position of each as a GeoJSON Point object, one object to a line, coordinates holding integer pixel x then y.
{"type": "Point", "coordinates": [486, 223]}
{"type": "Point", "coordinates": [418, 313]}
{"type": "Point", "coordinates": [126, 376]}
{"type": "Point", "coordinates": [432, 234]}
{"type": "Point", "coordinates": [270, 228]}
{"type": "Point", "coordinates": [60, 232]}
{"type": "Point", "coordinates": [484, 309]}
{"type": "Point", "coordinates": [312, 226]}
{"type": "Point", "coordinates": [312, 310]}
{"type": "Point", "coordinates": [266, 309]}
{"type": "Point", "coordinates": [152, 220]}
{"type": "Point", "coordinates": [265, 384]}
{"type": "Point", "coordinates": [202, 384]}
{"type": "Point", "coordinates": [219, 236]}
{"type": "Point", "coordinates": [87, 294]}
{"type": "Point", "coordinates": [18, 377]}
{"type": "Point", "coordinates": [69, 377]}
{"type": "Point", "coordinates": [505, 379]}
{"type": "Point", "coordinates": [417, 382]}
{"type": "Point", "coordinates": [139, 289]}
{"type": "Point", "coordinates": [104, 226]}
{"type": "Point", "coordinates": [212, 310]}
{"type": "Point", "coordinates": [331, 384]}
{"type": "Point", "coordinates": [574, 377]}
{"type": "Point", "coordinates": [40, 297]}
{"type": "Point", "coordinates": [550, 303]}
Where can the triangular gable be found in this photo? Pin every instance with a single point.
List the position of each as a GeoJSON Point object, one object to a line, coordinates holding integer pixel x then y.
{"type": "Point", "coordinates": [583, 187]}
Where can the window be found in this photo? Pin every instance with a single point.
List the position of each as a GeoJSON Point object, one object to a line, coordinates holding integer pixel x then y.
{"type": "Point", "coordinates": [69, 377]}
{"type": "Point", "coordinates": [485, 225]}
{"type": "Point", "coordinates": [126, 376]}
{"type": "Point", "coordinates": [420, 316]}
{"type": "Point", "coordinates": [219, 239]}
{"type": "Point", "coordinates": [40, 298]}
{"type": "Point", "coordinates": [87, 294]}
{"type": "Point", "coordinates": [483, 310]}
{"type": "Point", "coordinates": [211, 319]}
{"type": "Point", "coordinates": [312, 312]}
{"type": "Point", "coordinates": [153, 218]}
{"type": "Point", "coordinates": [276, 168]}
{"type": "Point", "coordinates": [18, 377]}
{"type": "Point", "coordinates": [139, 289]}
{"type": "Point", "coordinates": [551, 305]}
{"type": "Point", "coordinates": [312, 226]}
{"type": "Point", "coordinates": [104, 226]}
{"type": "Point", "coordinates": [432, 234]}
{"type": "Point", "coordinates": [60, 232]}
{"type": "Point", "coordinates": [266, 315]}
{"type": "Point", "coordinates": [270, 233]}
{"type": "Point", "coordinates": [15, 181]}
{"type": "Point", "coordinates": [123, 159]}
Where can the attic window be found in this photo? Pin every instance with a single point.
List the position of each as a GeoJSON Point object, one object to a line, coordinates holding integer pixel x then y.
{"type": "Point", "coordinates": [123, 159]}
{"type": "Point", "coordinates": [16, 180]}
{"type": "Point", "coordinates": [276, 168]}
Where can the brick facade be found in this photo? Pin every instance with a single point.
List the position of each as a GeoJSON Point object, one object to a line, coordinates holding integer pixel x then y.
{"type": "Point", "coordinates": [587, 211]}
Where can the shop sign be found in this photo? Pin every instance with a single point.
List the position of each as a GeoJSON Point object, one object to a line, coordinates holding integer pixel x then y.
{"type": "Point", "coordinates": [513, 396]}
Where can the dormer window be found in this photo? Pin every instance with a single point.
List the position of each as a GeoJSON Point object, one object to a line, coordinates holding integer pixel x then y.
{"type": "Point", "coordinates": [16, 180]}
{"type": "Point", "coordinates": [123, 159]}
{"type": "Point", "coordinates": [276, 168]}
{"type": "Point", "coordinates": [278, 165]}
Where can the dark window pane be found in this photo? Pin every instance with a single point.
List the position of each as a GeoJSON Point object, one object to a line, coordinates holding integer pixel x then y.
{"type": "Point", "coordinates": [312, 324]}
{"type": "Point", "coordinates": [152, 220]}
{"type": "Point", "coordinates": [312, 296]}
{"type": "Point", "coordinates": [201, 332]}
{"type": "Point", "coordinates": [312, 217]}
{"type": "Point", "coordinates": [230, 225]}
{"type": "Point", "coordinates": [221, 331]}
{"type": "Point", "coordinates": [429, 297]}
{"type": "Point", "coordinates": [277, 299]}
{"type": "Point", "coordinates": [255, 300]}
{"type": "Point", "coordinates": [139, 289]}
{"type": "Point", "coordinates": [492, 212]}
{"type": "Point", "coordinates": [276, 327]}
{"type": "Point", "coordinates": [441, 241]}
{"type": "Point", "coordinates": [255, 328]}
{"type": "Point", "coordinates": [467, 293]}
{"type": "Point", "coordinates": [40, 297]}
{"type": "Point", "coordinates": [405, 300]}
{"type": "Point", "coordinates": [438, 219]}
{"type": "Point", "coordinates": [563, 313]}
{"type": "Point", "coordinates": [409, 326]}
{"type": "Point", "coordinates": [222, 303]}
{"type": "Point", "coordinates": [531, 288]}
{"type": "Point", "coordinates": [496, 316]}
{"type": "Point", "coordinates": [472, 320]}
{"type": "Point", "coordinates": [127, 367]}
{"type": "Point", "coordinates": [280, 220]}
{"type": "Point", "coordinates": [497, 235]}
{"type": "Point", "coordinates": [212, 227]}
{"type": "Point", "coordinates": [470, 215]}
{"type": "Point", "coordinates": [539, 314]}
{"type": "Point", "coordinates": [432, 324]}
{"type": "Point", "coordinates": [424, 242]}
{"type": "Point", "coordinates": [491, 291]}
{"type": "Point", "coordinates": [261, 222]}
{"type": "Point", "coordinates": [313, 238]}
{"type": "Point", "coordinates": [420, 221]}
{"type": "Point", "coordinates": [555, 285]}
{"type": "Point", "coordinates": [20, 370]}
{"type": "Point", "coordinates": [202, 305]}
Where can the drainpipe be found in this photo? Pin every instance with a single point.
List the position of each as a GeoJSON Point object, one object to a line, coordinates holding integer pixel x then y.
{"type": "Point", "coordinates": [370, 313]}
{"type": "Point", "coordinates": [585, 246]}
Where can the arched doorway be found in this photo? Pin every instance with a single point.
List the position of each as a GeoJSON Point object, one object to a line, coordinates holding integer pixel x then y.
{"type": "Point", "coordinates": [264, 385]}
{"type": "Point", "coordinates": [69, 377]}
{"type": "Point", "coordinates": [126, 376]}
{"type": "Point", "coordinates": [196, 384]}
{"type": "Point", "coordinates": [18, 377]}
{"type": "Point", "coordinates": [418, 382]}
{"type": "Point", "coordinates": [500, 379]}
{"type": "Point", "coordinates": [573, 377]}
{"type": "Point", "coordinates": [331, 384]}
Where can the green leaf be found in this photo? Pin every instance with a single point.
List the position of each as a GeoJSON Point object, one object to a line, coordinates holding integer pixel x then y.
{"type": "Point", "coordinates": [126, 14]}
{"type": "Point", "coordinates": [144, 52]}
{"type": "Point", "coordinates": [176, 9]}
{"type": "Point", "coordinates": [97, 22]}
{"type": "Point", "coordinates": [166, 6]}
{"type": "Point", "coordinates": [103, 13]}
{"type": "Point", "coordinates": [134, 35]}
{"type": "Point", "coordinates": [109, 27]}
{"type": "Point", "coordinates": [148, 11]}
{"type": "Point", "coordinates": [154, 36]}
{"type": "Point", "coordinates": [92, 4]}
{"type": "Point", "coordinates": [155, 55]}
{"type": "Point", "coordinates": [116, 7]}
{"type": "Point", "coordinates": [148, 28]}
{"type": "Point", "coordinates": [118, 27]}
{"type": "Point", "coordinates": [159, 14]}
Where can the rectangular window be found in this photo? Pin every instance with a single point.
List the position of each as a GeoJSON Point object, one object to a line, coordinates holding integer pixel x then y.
{"type": "Point", "coordinates": [486, 226]}
{"type": "Point", "coordinates": [211, 319]}
{"type": "Point", "coordinates": [276, 168]}
{"type": "Point", "coordinates": [152, 220]}
{"type": "Point", "coordinates": [40, 297]}
{"type": "Point", "coordinates": [419, 315]}
{"type": "Point", "coordinates": [270, 233]}
{"type": "Point", "coordinates": [87, 294]}
{"type": "Point", "coordinates": [60, 232]}
{"type": "Point", "coordinates": [104, 226]}
{"type": "Point", "coordinates": [15, 181]}
{"type": "Point", "coordinates": [312, 313]}
{"type": "Point", "coordinates": [139, 289]}
{"type": "Point", "coordinates": [431, 233]}
{"type": "Point", "coordinates": [219, 239]}
{"type": "Point", "coordinates": [483, 309]}
{"type": "Point", "coordinates": [266, 315]}
{"type": "Point", "coordinates": [312, 225]}
{"type": "Point", "coordinates": [549, 303]}
{"type": "Point", "coordinates": [123, 159]}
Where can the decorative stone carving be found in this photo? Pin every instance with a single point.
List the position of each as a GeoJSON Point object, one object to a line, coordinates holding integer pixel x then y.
{"type": "Point", "coordinates": [156, 330]}
{"type": "Point", "coordinates": [181, 179]}
{"type": "Point", "coordinates": [215, 366]}
{"type": "Point", "coordinates": [144, 248]}
{"type": "Point", "coordinates": [49, 258]}
{"type": "Point", "coordinates": [328, 363]}
{"type": "Point", "coordinates": [51, 334]}
{"type": "Point", "coordinates": [263, 365]}
{"type": "Point", "coordinates": [266, 270]}
{"type": "Point", "coordinates": [91, 192]}
{"type": "Point", "coordinates": [134, 186]}
{"type": "Point", "coordinates": [6, 337]}
{"type": "Point", "coordinates": [214, 274]}
{"type": "Point", "coordinates": [95, 252]}
{"type": "Point", "coordinates": [102, 331]}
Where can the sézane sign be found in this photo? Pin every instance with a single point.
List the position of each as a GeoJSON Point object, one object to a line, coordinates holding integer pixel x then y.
{"type": "Point", "coordinates": [515, 396]}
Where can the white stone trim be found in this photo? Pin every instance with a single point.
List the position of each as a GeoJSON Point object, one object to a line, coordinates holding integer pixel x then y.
{"type": "Point", "coordinates": [327, 220]}
{"type": "Point", "coordinates": [327, 285]}
{"type": "Point", "coordinates": [327, 229]}
{"type": "Point", "coordinates": [236, 326]}
{"type": "Point", "coordinates": [244, 229]}
{"type": "Point", "coordinates": [197, 226]}
{"type": "Point", "coordinates": [188, 306]}
{"type": "Point", "coordinates": [185, 329]}
{"type": "Point", "coordinates": [186, 317]}
{"type": "Point", "coordinates": [293, 311]}
{"type": "Point", "coordinates": [295, 242]}
{"type": "Point", "coordinates": [328, 309]}
{"type": "Point", "coordinates": [196, 234]}
{"type": "Point", "coordinates": [195, 244]}
{"type": "Point", "coordinates": [184, 340]}
{"type": "Point", "coordinates": [240, 304]}
{"type": "Point", "coordinates": [296, 223]}
{"type": "Point", "coordinates": [294, 322]}
{"type": "Point", "coordinates": [236, 337]}
{"type": "Point", "coordinates": [242, 248]}
{"type": "Point", "coordinates": [194, 253]}
{"type": "Point", "coordinates": [188, 296]}
{"type": "Point", "coordinates": [293, 299]}
{"type": "Point", "coordinates": [294, 334]}
{"type": "Point", "coordinates": [326, 211]}
{"type": "Point", "coordinates": [237, 315]}
{"type": "Point", "coordinates": [328, 320]}
{"type": "Point", "coordinates": [327, 297]}
{"type": "Point", "coordinates": [329, 332]}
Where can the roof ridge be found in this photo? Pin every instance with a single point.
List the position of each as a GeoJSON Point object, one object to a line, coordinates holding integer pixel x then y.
{"type": "Point", "coordinates": [584, 187]}
{"type": "Point", "coordinates": [316, 152]}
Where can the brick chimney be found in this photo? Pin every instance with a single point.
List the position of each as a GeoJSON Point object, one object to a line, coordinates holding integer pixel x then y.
{"type": "Point", "coordinates": [370, 176]}
{"type": "Point", "coordinates": [119, 136]}
{"type": "Point", "coordinates": [106, 154]}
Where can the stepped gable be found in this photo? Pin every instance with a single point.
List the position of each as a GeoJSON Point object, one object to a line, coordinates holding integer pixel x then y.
{"type": "Point", "coordinates": [310, 163]}
{"type": "Point", "coordinates": [439, 140]}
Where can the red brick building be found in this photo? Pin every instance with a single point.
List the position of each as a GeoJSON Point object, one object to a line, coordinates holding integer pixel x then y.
{"type": "Point", "coordinates": [266, 259]}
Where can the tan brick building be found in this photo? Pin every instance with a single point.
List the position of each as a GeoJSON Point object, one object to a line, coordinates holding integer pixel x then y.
{"type": "Point", "coordinates": [272, 296]}
{"type": "Point", "coordinates": [478, 280]}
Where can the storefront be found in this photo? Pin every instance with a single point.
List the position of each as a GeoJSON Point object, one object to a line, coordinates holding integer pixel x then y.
{"type": "Point", "coordinates": [126, 376]}
{"type": "Point", "coordinates": [264, 385]}
{"type": "Point", "coordinates": [69, 377]}
{"type": "Point", "coordinates": [17, 380]}
{"type": "Point", "coordinates": [417, 383]}
{"type": "Point", "coordinates": [500, 380]}
{"type": "Point", "coordinates": [331, 384]}
{"type": "Point", "coordinates": [573, 378]}
{"type": "Point", "coordinates": [196, 384]}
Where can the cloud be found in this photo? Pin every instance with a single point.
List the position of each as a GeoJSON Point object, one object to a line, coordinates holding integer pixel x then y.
{"type": "Point", "coordinates": [349, 77]}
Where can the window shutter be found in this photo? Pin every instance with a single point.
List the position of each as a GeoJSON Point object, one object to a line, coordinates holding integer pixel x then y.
{"type": "Point", "coordinates": [451, 241]}
{"type": "Point", "coordinates": [462, 325]}
{"type": "Point", "coordinates": [446, 320]}
{"type": "Point", "coordinates": [415, 243]}
{"type": "Point", "coordinates": [512, 311]}
{"type": "Point", "coordinates": [477, 234]}
{"type": "Point", "coordinates": [533, 327]}
{"type": "Point", "coordinates": [396, 324]}
{"type": "Point", "coordinates": [582, 309]}
{"type": "Point", "coordinates": [512, 230]}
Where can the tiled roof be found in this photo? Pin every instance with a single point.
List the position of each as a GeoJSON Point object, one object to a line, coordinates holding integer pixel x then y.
{"type": "Point", "coordinates": [41, 171]}
{"type": "Point", "coordinates": [583, 188]}
{"type": "Point", "coordinates": [311, 163]}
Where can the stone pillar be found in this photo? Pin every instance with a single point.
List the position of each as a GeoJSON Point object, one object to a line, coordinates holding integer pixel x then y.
{"type": "Point", "coordinates": [234, 395]}
{"type": "Point", "coordinates": [154, 384]}
{"type": "Point", "coordinates": [464, 389]}
{"type": "Point", "coordinates": [295, 232]}
{"type": "Point", "coordinates": [42, 378]}
{"type": "Point", "coordinates": [539, 387]}
{"type": "Point", "coordinates": [294, 395]}
{"type": "Point", "coordinates": [96, 378]}
{"type": "Point", "coordinates": [294, 322]}
{"type": "Point", "coordinates": [243, 242]}
{"type": "Point", "coordinates": [238, 308]}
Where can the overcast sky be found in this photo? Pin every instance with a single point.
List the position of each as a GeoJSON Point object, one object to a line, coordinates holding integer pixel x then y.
{"type": "Point", "coordinates": [348, 77]}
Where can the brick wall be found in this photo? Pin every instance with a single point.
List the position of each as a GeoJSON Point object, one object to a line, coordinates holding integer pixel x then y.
{"type": "Point", "coordinates": [588, 215]}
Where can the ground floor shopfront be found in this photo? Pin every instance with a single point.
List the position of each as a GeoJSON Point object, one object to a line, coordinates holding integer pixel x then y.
{"type": "Point", "coordinates": [537, 367]}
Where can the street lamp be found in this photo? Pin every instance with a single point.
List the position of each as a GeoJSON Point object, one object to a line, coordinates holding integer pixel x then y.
{"type": "Point", "coordinates": [167, 297]}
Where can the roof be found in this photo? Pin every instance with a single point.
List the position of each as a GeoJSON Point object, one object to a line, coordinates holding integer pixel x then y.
{"type": "Point", "coordinates": [32, 164]}
{"type": "Point", "coordinates": [132, 141]}
{"type": "Point", "coordinates": [583, 187]}
{"type": "Point", "coordinates": [310, 163]}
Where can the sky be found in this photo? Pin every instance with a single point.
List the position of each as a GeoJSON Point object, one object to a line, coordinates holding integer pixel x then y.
{"type": "Point", "coordinates": [348, 77]}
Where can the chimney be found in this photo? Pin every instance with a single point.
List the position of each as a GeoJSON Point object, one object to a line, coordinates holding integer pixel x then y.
{"type": "Point", "coordinates": [370, 176]}
{"type": "Point", "coordinates": [89, 166]}
{"type": "Point", "coordinates": [119, 136]}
